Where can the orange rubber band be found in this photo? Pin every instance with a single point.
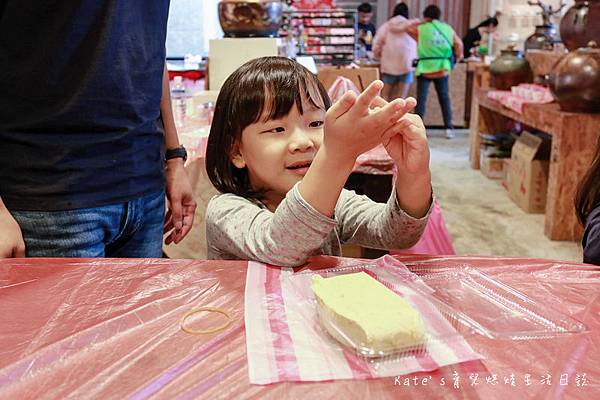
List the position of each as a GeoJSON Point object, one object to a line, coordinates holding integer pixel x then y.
{"type": "Point", "coordinates": [208, 331]}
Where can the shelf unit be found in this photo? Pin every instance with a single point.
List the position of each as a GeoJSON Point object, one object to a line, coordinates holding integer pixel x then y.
{"type": "Point", "coordinates": [329, 36]}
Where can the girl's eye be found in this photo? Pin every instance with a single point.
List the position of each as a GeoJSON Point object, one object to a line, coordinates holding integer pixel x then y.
{"type": "Point", "coordinates": [316, 124]}
{"type": "Point", "coordinates": [279, 129]}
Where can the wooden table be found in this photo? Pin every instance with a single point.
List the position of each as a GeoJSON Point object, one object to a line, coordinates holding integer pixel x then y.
{"type": "Point", "coordinates": [574, 138]}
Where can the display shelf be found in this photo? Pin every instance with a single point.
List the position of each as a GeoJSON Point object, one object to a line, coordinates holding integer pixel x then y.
{"type": "Point", "coordinates": [329, 36]}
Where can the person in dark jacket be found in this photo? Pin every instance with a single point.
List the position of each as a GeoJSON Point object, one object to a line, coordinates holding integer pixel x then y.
{"type": "Point", "coordinates": [587, 205]}
{"type": "Point", "coordinates": [366, 29]}
{"type": "Point", "coordinates": [474, 35]}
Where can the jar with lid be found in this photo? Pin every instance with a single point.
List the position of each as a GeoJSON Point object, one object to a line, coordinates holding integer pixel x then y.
{"type": "Point", "coordinates": [510, 69]}
{"type": "Point", "coordinates": [575, 80]}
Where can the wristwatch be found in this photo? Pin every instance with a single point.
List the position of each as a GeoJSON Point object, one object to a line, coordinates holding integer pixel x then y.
{"type": "Point", "coordinates": [178, 152]}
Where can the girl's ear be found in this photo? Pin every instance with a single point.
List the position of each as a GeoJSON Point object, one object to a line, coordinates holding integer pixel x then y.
{"type": "Point", "coordinates": [236, 156]}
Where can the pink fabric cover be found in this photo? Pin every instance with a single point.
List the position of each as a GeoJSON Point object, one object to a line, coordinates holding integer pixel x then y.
{"type": "Point", "coordinates": [435, 240]}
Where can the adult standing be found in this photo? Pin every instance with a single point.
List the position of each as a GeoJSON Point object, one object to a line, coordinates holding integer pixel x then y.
{"type": "Point", "coordinates": [366, 29]}
{"type": "Point", "coordinates": [85, 117]}
{"type": "Point", "coordinates": [438, 46]}
{"type": "Point", "coordinates": [473, 37]}
{"type": "Point", "coordinates": [396, 50]}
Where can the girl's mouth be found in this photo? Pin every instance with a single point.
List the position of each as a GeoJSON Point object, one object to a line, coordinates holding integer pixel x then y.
{"type": "Point", "coordinates": [299, 168]}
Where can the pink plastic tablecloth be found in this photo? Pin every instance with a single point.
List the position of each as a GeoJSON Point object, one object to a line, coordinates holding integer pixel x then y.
{"type": "Point", "coordinates": [110, 329]}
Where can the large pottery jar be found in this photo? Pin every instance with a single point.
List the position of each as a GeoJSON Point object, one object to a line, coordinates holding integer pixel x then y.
{"type": "Point", "coordinates": [250, 18]}
{"type": "Point", "coordinates": [581, 24]}
{"type": "Point", "coordinates": [575, 80]}
{"type": "Point", "coordinates": [510, 69]}
{"type": "Point", "coordinates": [544, 38]}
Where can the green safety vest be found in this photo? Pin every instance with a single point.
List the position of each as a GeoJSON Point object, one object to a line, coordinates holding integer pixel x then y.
{"type": "Point", "coordinates": [434, 50]}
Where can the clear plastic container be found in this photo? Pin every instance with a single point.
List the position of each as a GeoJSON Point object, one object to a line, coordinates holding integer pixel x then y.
{"type": "Point", "coordinates": [479, 304]}
{"type": "Point", "coordinates": [455, 303]}
{"type": "Point", "coordinates": [179, 98]}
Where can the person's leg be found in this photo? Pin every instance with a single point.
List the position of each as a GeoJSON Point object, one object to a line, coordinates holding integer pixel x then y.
{"type": "Point", "coordinates": [386, 92]}
{"type": "Point", "coordinates": [402, 90]}
{"type": "Point", "coordinates": [404, 85]}
{"type": "Point", "coordinates": [395, 91]}
{"type": "Point", "coordinates": [388, 86]}
{"type": "Point", "coordinates": [142, 234]}
{"type": "Point", "coordinates": [443, 93]}
{"type": "Point", "coordinates": [422, 89]}
{"type": "Point", "coordinates": [71, 233]}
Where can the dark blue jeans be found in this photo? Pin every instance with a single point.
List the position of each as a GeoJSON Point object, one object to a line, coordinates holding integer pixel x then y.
{"type": "Point", "coordinates": [443, 93]}
{"type": "Point", "coordinates": [132, 229]}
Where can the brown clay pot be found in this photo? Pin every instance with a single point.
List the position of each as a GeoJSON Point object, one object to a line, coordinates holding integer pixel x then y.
{"type": "Point", "coordinates": [250, 18]}
{"type": "Point", "coordinates": [544, 38]}
{"type": "Point", "coordinates": [510, 69]}
{"type": "Point", "coordinates": [581, 24]}
{"type": "Point", "coordinates": [575, 80]}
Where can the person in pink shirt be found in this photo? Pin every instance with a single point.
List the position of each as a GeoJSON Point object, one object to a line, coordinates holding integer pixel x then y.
{"type": "Point", "coordinates": [396, 50]}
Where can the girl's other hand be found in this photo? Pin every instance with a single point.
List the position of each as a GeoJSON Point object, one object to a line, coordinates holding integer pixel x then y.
{"type": "Point", "coordinates": [406, 142]}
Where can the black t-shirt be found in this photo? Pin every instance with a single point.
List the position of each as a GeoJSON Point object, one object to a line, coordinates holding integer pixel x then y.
{"type": "Point", "coordinates": [473, 36]}
{"type": "Point", "coordinates": [80, 90]}
{"type": "Point", "coordinates": [364, 28]}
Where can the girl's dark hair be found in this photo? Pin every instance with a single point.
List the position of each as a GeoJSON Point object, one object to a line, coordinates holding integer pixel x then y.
{"type": "Point", "coordinates": [588, 191]}
{"type": "Point", "coordinates": [432, 11]}
{"type": "Point", "coordinates": [262, 89]}
{"type": "Point", "coordinates": [491, 21]}
{"type": "Point", "coordinates": [401, 9]}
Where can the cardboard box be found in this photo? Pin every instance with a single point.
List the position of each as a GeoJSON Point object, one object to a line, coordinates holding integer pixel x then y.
{"type": "Point", "coordinates": [491, 167]}
{"type": "Point", "coordinates": [528, 174]}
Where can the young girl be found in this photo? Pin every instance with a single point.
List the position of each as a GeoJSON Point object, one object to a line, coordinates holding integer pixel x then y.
{"type": "Point", "coordinates": [587, 204]}
{"type": "Point", "coordinates": [280, 156]}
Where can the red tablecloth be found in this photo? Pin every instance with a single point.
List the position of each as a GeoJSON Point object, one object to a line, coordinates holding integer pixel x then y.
{"type": "Point", "coordinates": [110, 329]}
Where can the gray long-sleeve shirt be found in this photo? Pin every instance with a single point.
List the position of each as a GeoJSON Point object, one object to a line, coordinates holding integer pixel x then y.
{"type": "Point", "coordinates": [238, 228]}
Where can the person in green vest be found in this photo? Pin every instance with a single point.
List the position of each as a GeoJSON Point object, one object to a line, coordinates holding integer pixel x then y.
{"type": "Point", "coordinates": [438, 48]}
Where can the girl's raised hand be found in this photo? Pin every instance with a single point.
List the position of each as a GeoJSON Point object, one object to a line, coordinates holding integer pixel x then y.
{"type": "Point", "coordinates": [406, 143]}
{"type": "Point", "coordinates": [353, 126]}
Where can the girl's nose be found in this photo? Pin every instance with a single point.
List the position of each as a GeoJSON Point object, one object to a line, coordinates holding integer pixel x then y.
{"type": "Point", "coordinates": [301, 141]}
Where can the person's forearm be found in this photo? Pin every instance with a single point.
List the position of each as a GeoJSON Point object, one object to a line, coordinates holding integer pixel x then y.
{"type": "Point", "coordinates": [166, 112]}
{"type": "Point", "coordinates": [323, 193]}
{"type": "Point", "coordinates": [414, 194]}
{"type": "Point", "coordinates": [458, 47]}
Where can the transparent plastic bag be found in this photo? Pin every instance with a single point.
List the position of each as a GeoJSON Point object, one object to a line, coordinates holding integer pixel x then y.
{"type": "Point", "coordinates": [454, 304]}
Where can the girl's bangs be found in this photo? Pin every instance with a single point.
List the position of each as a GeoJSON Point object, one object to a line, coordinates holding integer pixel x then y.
{"type": "Point", "coordinates": [280, 95]}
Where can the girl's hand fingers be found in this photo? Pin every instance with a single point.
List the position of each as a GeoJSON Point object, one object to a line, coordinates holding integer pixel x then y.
{"type": "Point", "coordinates": [364, 100]}
{"type": "Point", "coordinates": [389, 134]}
{"type": "Point", "coordinates": [342, 106]}
{"type": "Point", "coordinates": [411, 101]}
{"type": "Point", "coordinates": [379, 102]}
{"type": "Point", "coordinates": [391, 113]}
